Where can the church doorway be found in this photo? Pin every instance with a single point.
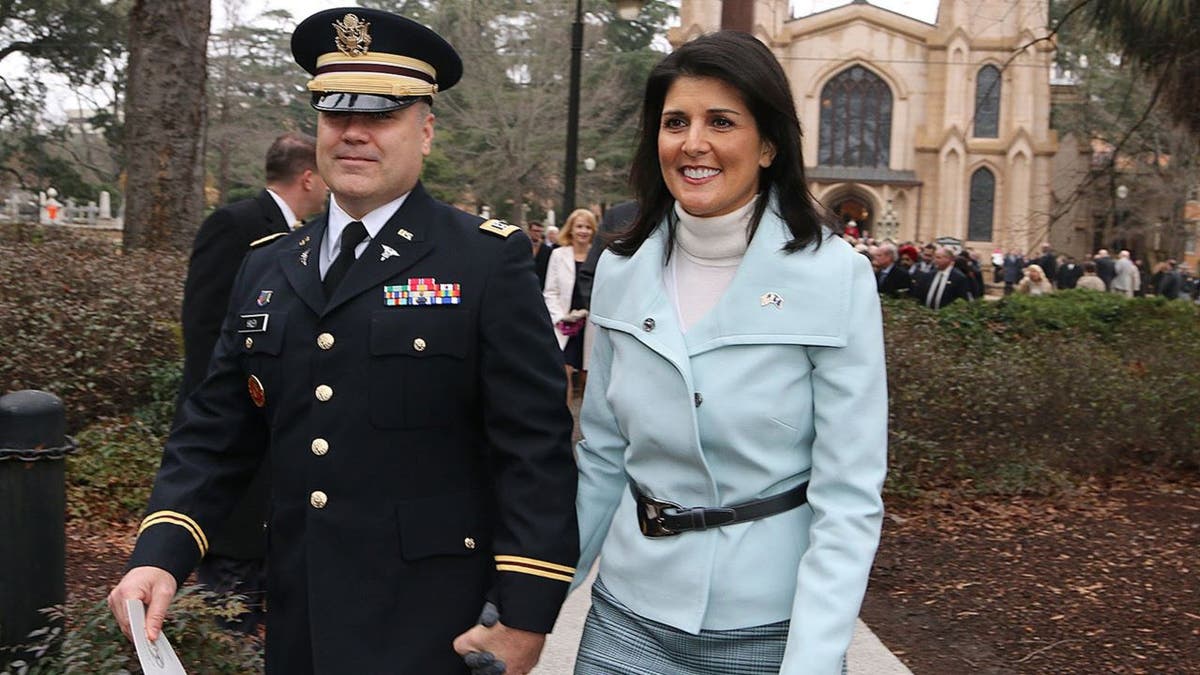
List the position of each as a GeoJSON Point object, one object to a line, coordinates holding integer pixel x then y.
{"type": "Point", "coordinates": [855, 208]}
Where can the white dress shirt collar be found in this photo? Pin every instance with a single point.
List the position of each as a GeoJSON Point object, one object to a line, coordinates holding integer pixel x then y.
{"type": "Point", "coordinates": [339, 219]}
{"type": "Point", "coordinates": [289, 216]}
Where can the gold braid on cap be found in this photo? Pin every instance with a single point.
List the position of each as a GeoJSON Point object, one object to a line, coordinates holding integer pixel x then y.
{"type": "Point", "coordinates": [374, 73]}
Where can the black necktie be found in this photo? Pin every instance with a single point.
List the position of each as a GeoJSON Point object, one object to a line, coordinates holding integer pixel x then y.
{"type": "Point", "coordinates": [352, 236]}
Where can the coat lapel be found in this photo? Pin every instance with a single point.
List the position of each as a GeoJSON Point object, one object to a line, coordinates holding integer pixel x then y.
{"type": "Point", "coordinates": [764, 304]}
{"type": "Point", "coordinates": [390, 252]}
{"type": "Point", "coordinates": [301, 263]}
{"type": "Point", "coordinates": [637, 295]}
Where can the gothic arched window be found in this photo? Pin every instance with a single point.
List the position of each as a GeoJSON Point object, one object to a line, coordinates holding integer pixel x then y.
{"type": "Point", "coordinates": [983, 203]}
{"type": "Point", "coordinates": [987, 102]}
{"type": "Point", "coordinates": [856, 120]}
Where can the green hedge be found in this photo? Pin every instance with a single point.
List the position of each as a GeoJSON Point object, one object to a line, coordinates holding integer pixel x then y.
{"type": "Point", "coordinates": [1027, 394]}
{"type": "Point", "coordinates": [92, 325]}
{"type": "Point", "coordinates": [1019, 395]}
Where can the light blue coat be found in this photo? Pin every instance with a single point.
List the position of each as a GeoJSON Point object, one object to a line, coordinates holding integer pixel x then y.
{"type": "Point", "coordinates": [790, 391]}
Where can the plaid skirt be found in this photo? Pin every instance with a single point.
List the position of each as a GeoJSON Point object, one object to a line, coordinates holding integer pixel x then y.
{"type": "Point", "coordinates": [617, 641]}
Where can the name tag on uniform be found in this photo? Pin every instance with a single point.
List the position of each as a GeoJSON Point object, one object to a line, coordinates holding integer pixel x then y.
{"type": "Point", "coordinates": [253, 323]}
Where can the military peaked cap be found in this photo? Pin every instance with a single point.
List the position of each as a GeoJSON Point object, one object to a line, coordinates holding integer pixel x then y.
{"type": "Point", "coordinates": [367, 60]}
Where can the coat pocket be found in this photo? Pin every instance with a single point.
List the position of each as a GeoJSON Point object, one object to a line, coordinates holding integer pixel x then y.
{"type": "Point", "coordinates": [444, 525]}
{"type": "Point", "coordinates": [419, 373]}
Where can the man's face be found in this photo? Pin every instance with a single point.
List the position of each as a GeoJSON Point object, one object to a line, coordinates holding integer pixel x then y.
{"type": "Point", "coordinates": [369, 159]}
{"type": "Point", "coordinates": [536, 232]}
{"type": "Point", "coordinates": [943, 258]}
{"type": "Point", "coordinates": [882, 258]}
{"type": "Point", "coordinates": [927, 254]}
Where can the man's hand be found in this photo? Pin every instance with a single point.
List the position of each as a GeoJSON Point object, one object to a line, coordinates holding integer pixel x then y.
{"type": "Point", "coordinates": [518, 649]}
{"type": "Point", "coordinates": [155, 587]}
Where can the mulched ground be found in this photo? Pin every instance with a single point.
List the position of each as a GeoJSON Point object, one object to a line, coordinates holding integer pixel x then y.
{"type": "Point", "coordinates": [1103, 581]}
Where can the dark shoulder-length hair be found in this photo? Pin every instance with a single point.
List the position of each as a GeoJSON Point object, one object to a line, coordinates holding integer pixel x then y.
{"type": "Point", "coordinates": [740, 60]}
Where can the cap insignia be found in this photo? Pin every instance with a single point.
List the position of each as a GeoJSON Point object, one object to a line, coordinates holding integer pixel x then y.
{"type": "Point", "coordinates": [352, 36]}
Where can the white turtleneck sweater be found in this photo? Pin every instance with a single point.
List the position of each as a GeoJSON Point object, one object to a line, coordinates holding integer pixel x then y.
{"type": "Point", "coordinates": [705, 259]}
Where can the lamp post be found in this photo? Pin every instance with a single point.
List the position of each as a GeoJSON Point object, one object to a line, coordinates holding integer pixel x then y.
{"type": "Point", "coordinates": [627, 10]}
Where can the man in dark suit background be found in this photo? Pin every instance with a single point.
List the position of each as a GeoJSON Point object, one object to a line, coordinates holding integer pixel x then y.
{"type": "Point", "coordinates": [294, 191]}
{"type": "Point", "coordinates": [1106, 267]}
{"type": "Point", "coordinates": [1068, 273]}
{"type": "Point", "coordinates": [614, 221]}
{"type": "Point", "coordinates": [944, 284]}
{"type": "Point", "coordinates": [398, 355]}
{"type": "Point", "coordinates": [1048, 261]}
{"type": "Point", "coordinates": [541, 249]}
{"type": "Point", "coordinates": [891, 279]}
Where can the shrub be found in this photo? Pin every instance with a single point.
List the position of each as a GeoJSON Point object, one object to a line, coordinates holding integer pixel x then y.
{"type": "Point", "coordinates": [84, 321]}
{"type": "Point", "coordinates": [92, 643]}
{"type": "Point", "coordinates": [109, 478]}
{"type": "Point", "coordinates": [1021, 394]}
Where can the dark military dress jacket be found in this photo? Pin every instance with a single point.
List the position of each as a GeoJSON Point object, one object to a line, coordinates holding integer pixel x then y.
{"type": "Point", "coordinates": [221, 242]}
{"type": "Point", "coordinates": [419, 446]}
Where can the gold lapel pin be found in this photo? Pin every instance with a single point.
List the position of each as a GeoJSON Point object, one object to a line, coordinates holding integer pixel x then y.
{"type": "Point", "coordinates": [405, 233]}
{"type": "Point", "coordinates": [304, 257]}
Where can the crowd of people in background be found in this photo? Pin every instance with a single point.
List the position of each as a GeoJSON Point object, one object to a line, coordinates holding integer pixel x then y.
{"type": "Point", "coordinates": [937, 274]}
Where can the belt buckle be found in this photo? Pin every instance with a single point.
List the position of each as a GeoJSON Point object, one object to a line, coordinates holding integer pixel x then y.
{"type": "Point", "coordinates": [651, 512]}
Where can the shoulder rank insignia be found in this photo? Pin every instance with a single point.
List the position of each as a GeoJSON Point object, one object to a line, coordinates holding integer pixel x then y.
{"type": "Point", "coordinates": [267, 239]}
{"type": "Point", "coordinates": [498, 228]}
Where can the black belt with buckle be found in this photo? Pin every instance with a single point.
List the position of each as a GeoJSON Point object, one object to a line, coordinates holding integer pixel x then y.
{"type": "Point", "coordinates": [659, 518]}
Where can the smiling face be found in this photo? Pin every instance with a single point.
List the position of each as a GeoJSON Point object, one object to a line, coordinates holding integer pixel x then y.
{"type": "Point", "coordinates": [709, 147]}
{"type": "Point", "coordinates": [369, 159]}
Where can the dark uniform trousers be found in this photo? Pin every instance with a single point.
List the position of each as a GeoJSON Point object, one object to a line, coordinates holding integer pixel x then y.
{"type": "Point", "coordinates": [420, 453]}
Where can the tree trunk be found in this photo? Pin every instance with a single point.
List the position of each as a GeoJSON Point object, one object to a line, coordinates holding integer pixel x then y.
{"type": "Point", "coordinates": [164, 122]}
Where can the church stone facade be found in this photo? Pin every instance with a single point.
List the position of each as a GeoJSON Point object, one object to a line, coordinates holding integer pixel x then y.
{"type": "Point", "coordinates": [917, 130]}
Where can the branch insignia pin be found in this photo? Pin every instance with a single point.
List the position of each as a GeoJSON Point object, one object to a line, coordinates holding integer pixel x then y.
{"type": "Point", "coordinates": [405, 233]}
{"type": "Point", "coordinates": [304, 257]}
{"type": "Point", "coordinates": [388, 252]}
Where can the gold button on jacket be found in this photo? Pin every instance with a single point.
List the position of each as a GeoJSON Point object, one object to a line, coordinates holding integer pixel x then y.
{"type": "Point", "coordinates": [320, 446]}
{"type": "Point", "coordinates": [318, 499]}
{"type": "Point", "coordinates": [324, 392]}
{"type": "Point", "coordinates": [325, 341]}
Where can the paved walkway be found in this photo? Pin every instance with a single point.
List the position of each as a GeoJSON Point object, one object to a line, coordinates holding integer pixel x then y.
{"type": "Point", "coordinates": [868, 656]}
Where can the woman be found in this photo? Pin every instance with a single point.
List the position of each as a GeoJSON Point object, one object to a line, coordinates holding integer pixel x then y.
{"type": "Point", "coordinates": [738, 363]}
{"type": "Point", "coordinates": [1035, 282]}
{"type": "Point", "coordinates": [562, 293]}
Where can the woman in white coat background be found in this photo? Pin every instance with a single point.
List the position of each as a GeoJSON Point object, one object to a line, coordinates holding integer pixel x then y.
{"type": "Point", "coordinates": [735, 422]}
{"type": "Point", "coordinates": [561, 294]}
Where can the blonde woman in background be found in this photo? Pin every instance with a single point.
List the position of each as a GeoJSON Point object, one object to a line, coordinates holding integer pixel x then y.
{"type": "Point", "coordinates": [1035, 282]}
{"type": "Point", "coordinates": [562, 294]}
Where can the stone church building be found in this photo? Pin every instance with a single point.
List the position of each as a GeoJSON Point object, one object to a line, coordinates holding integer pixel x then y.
{"type": "Point", "coordinates": [917, 130]}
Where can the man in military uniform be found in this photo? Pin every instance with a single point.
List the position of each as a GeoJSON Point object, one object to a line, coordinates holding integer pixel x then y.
{"type": "Point", "coordinates": [237, 548]}
{"type": "Point", "coordinates": [398, 354]}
